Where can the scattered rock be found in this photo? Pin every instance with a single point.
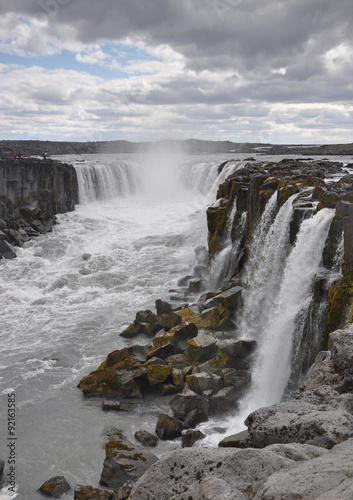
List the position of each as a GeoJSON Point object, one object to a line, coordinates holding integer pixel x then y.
{"type": "Point", "coordinates": [55, 487]}
{"type": "Point", "coordinates": [124, 462]}
{"type": "Point", "coordinates": [90, 493]}
{"type": "Point", "coordinates": [190, 438]}
{"type": "Point", "coordinates": [186, 401]}
{"type": "Point", "coordinates": [146, 438]}
{"type": "Point", "coordinates": [168, 427]}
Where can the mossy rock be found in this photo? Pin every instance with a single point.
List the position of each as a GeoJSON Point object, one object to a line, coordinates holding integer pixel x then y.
{"type": "Point", "coordinates": [158, 374]}
{"type": "Point", "coordinates": [286, 192]}
{"type": "Point", "coordinates": [340, 305]}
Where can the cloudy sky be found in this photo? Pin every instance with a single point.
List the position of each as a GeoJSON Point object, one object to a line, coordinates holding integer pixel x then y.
{"type": "Point", "coordinates": [276, 71]}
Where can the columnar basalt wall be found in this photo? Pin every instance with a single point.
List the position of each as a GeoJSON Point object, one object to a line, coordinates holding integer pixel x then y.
{"type": "Point", "coordinates": [32, 192]}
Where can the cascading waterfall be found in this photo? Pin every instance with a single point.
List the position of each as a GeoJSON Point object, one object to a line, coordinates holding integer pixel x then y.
{"type": "Point", "coordinates": [222, 266]}
{"type": "Point", "coordinates": [272, 367]}
{"type": "Point", "coordinates": [264, 271]}
{"type": "Point", "coordinates": [104, 180]}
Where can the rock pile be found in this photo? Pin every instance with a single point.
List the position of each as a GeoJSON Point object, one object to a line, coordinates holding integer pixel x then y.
{"type": "Point", "coordinates": [301, 448]}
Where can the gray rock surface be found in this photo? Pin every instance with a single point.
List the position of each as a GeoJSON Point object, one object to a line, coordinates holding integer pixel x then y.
{"type": "Point", "coordinates": [124, 462]}
{"type": "Point", "coordinates": [192, 472]}
{"type": "Point", "coordinates": [328, 477]}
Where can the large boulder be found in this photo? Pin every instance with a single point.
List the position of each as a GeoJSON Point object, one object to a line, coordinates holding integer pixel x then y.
{"type": "Point", "coordinates": [168, 427]}
{"type": "Point", "coordinates": [125, 462]}
{"type": "Point", "coordinates": [55, 487]}
{"type": "Point", "coordinates": [300, 422]}
{"type": "Point", "coordinates": [186, 401]}
{"type": "Point", "coordinates": [190, 472]}
{"type": "Point", "coordinates": [326, 477]}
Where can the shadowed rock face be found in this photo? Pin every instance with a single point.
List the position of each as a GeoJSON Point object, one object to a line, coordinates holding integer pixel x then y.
{"type": "Point", "coordinates": [32, 192]}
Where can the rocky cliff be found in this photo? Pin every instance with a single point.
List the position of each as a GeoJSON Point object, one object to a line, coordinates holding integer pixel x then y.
{"type": "Point", "coordinates": [32, 192]}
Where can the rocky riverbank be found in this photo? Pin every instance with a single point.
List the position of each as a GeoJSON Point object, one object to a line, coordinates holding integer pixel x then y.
{"type": "Point", "coordinates": [32, 192]}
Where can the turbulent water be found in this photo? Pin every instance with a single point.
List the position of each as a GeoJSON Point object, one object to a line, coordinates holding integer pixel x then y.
{"type": "Point", "coordinates": [69, 294]}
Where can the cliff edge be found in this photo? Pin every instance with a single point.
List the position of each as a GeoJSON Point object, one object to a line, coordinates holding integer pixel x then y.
{"type": "Point", "coordinates": [32, 192]}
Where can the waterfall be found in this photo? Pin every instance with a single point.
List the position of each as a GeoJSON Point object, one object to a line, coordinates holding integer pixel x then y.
{"type": "Point", "coordinates": [106, 179]}
{"type": "Point", "coordinates": [268, 253]}
{"type": "Point", "coordinates": [222, 267]}
{"type": "Point", "coordinates": [204, 177]}
{"type": "Point", "coordinates": [292, 298]}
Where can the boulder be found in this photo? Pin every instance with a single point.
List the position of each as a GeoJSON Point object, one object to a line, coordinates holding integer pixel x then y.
{"type": "Point", "coordinates": [186, 401]}
{"type": "Point", "coordinates": [239, 379]}
{"type": "Point", "coordinates": [203, 382]}
{"type": "Point", "coordinates": [223, 401]}
{"type": "Point", "coordinates": [190, 438]}
{"type": "Point", "coordinates": [124, 462]}
{"type": "Point", "coordinates": [326, 477]}
{"type": "Point", "coordinates": [202, 347]}
{"type": "Point", "coordinates": [146, 438]}
{"type": "Point", "coordinates": [122, 493]}
{"type": "Point", "coordinates": [178, 361]}
{"type": "Point", "coordinates": [194, 418]}
{"type": "Point", "coordinates": [90, 493]}
{"type": "Point", "coordinates": [300, 422]}
{"type": "Point", "coordinates": [162, 352]}
{"type": "Point", "coordinates": [186, 470]}
{"type": "Point", "coordinates": [122, 379]}
{"type": "Point", "coordinates": [7, 251]}
{"type": "Point", "coordinates": [168, 427]}
{"type": "Point", "coordinates": [55, 487]}
{"type": "Point", "coordinates": [170, 320]}
{"type": "Point", "coordinates": [163, 307]}
{"type": "Point", "coordinates": [131, 331]}
{"type": "Point", "coordinates": [237, 348]}
{"type": "Point", "coordinates": [158, 374]}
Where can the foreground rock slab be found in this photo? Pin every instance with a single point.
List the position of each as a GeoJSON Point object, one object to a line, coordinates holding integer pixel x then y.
{"type": "Point", "coordinates": [198, 473]}
{"type": "Point", "coordinates": [125, 462]}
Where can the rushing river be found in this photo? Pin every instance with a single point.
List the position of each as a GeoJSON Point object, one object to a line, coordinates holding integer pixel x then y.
{"type": "Point", "coordinates": [69, 293]}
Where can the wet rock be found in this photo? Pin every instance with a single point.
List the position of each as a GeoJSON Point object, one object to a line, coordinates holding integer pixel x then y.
{"type": "Point", "coordinates": [146, 438]}
{"type": "Point", "coordinates": [117, 406]}
{"type": "Point", "coordinates": [203, 382]}
{"type": "Point", "coordinates": [162, 352]}
{"type": "Point", "coordinates": [168, 427]}
{"type": "Point", "coordinates": [239, 379]}
{"type": "Point", "coordinates": [223, 401]}
{"type": "Point", "coordinates": [186, 401]}
{"type": "Point", "coordinates": [90, 493]}
{"type": "Point", "coordinates": [237, 348]}
{"type": "Point", "coordinates": [170, 320]}
{"type": "Point", "coordinates": [201, 255]}
{"type": "Point", "coordinates": [2, 463]}
{"type": "Point", "coordinates": [124, 462]}
{"type": "Point", "coordinates": [184, 281]}
{"type": "Point", "coordinates": [121, 375]}
{"type": "Point", "coordinates": [178, 361]}
{"type": "Point", "coordinates": [202, 347]}
{"type": "Point", "coordinates": [158, 374]}
{"type": "Point", "coordinates": [163, 307]}
{"type": "Point", "coordinates": [131, 331]}
{"type": "Point", "coordinates": [194, 418]}
{"type": "Point", "coordinates": [238, 440]}
{"type": "Point", "coordinates": [55, 487]}
{"type": "Point", "coordinates": [190, 438]}
{"type": "Point", "coordinates": [7, 251]}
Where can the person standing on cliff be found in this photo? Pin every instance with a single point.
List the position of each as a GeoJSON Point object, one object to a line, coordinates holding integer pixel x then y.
{"type": "Point", "coordinates": [45, 154]}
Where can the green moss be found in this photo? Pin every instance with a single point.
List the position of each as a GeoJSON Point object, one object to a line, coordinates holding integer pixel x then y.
{"type": "Point", "coordinates": [340, 305]}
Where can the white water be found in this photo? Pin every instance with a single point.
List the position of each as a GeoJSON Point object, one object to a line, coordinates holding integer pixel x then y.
{"type": "Point", "coordinates": [279, 280]}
